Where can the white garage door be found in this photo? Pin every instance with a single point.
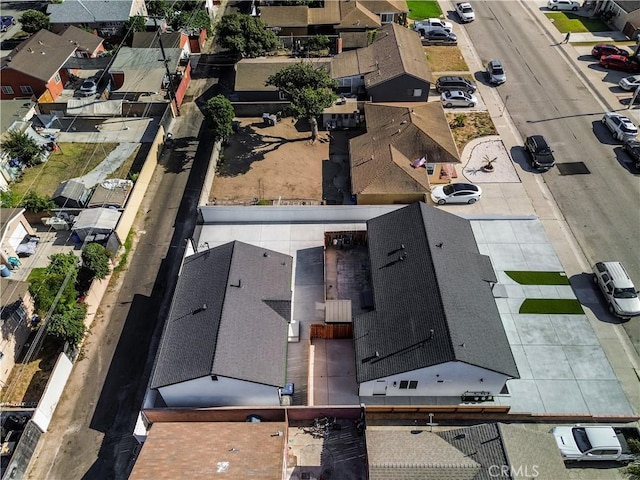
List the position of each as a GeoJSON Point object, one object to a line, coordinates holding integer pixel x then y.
{"type": "Point", "coordinates": [17, 236]}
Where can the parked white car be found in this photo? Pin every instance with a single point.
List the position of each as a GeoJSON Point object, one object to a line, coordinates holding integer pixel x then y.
{"type": "Point", "coordinates": [458, 98]}
{"type": "Point", "coordinates": [423, 26]}
{"type": "Point", "coordinates": [456, 193]}
{"type": "Point", "coordinates": [630, 83]}
{"type": "Point", "coordinates": [620, 126]}
{"type": "Point", "coordinates": [465, 12]}
{"type": "Point", "coordinates": [563, 5]}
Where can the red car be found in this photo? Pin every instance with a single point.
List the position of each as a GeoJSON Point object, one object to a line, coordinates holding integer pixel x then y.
{"type": "Point", "coordinates": [620, 62]}
{"type": "Point", "coordinates": [605, 49]}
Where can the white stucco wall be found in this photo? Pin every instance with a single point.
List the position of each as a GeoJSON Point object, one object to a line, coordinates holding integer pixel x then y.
{"type": "Point", "coordinates": [204, 392]}
{"type": "Point", "coordinates": [446, 380]}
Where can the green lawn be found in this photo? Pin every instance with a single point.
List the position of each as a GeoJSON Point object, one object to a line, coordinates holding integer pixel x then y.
{"type": "Point", "coordinates": [71, 160]}
{"type": "Point", "coordinates": [421, 9]}
{"type": "Point", "coordinates": [570, 22]}
{"type": "Point", "coordinates": [558, 306]}
{"type": "Point", "coordinates": [539, 278]}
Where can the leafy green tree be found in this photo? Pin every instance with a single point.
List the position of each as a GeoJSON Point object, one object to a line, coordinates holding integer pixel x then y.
{"type": "Point", "coordinates": [245, 35]}
{"type": "Point", "coordinates": [219, 112]}
{"type": "Point", "coordinates": [317, 43]}
{"type": "Point", "coordinates": [96, 258]}
{"type": "Point", "coordinates": [33, 21]}
{"type": "Point", "coordinates": [36, 203]}
{"type": "Point", "coordinates": [632, 471]}
{"type": "Point", "coordinates": [67, 324]}
{"type": "Point", "coordinates": [134, 24]}
{"type": "Point", "coordinates": [158, 8]}
{"type": "Point", "coordinates": [63, 263]}
{"type": "Point", "coordinates": [8, 199]}
{"type": "Point", "coordinates": [194, 19]}
{"type": "Point", "coordinates": [21, 145]}
{"type": "Point", "coordinates": [309, 90]}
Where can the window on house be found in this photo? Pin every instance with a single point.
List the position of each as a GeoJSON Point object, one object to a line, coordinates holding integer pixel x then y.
{"type": "Point", "coordinates": [282, 95]}
{"type": "Point", "coordinates": [26, 89]}
{"type": "Point", "coordinates": [7, 90]}
{"type": "Point", "coordinates": [57, 78]}
{"type": "Point", "coordinates": [404, 384]}
{"type": "Point", "coordinates": [413, 384]}
{"type": "Point", "coordinates": [417, 92]}
{"type": "Point", "coordinates": [431, 167]}
{"type": "Point", "coordinates": [386, 17]}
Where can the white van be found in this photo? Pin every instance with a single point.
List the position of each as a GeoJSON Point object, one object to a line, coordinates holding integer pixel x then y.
{"type": "Point", "coordinates": [617, 288]}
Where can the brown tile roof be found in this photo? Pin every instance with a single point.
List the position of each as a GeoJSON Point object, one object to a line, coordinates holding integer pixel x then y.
{"type": "Point", "coordinates": [84, 40]}
{"type": "Point", "coordinates": [199, 450]}
{"type": "Point", "coordinates": [328, 15]}
{"type": "Point", "coordinates": [286, 16]}
{"type": "Point", "coordinates": [415, 453]}
{"type": "Point", "coordinates": [398, 134]}
{"type": "Point", "coordinates": [354, 39]}
{"type": "Point", "coordinates": [353, 62]}
{"type": "Point", "coordinates": [252, 73]}
{"type": "Point", "coordinates": [40, 56]}
{"type": "Point", "coordinates": [386, 6]}
{"type": "Point", "coordinates": [398, 50]}
{"type": "Point", "coordinates": [356, 15]}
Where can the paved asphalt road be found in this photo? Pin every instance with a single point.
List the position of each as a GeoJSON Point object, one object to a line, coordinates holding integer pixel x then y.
{"type": "Point", "coordinates": [544, 96]}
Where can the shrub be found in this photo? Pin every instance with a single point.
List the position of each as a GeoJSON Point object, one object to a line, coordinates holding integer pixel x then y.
{"type": "Point", "coordinates": [96, 258]}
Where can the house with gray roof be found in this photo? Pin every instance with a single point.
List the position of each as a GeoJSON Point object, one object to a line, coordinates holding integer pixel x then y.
{"type": "Point", "coordinates": [106, 17]}
{"type": "Point", "coordinates": [398, 134]}
{"type": "Point", "coordinates": [434, 329]}
{"type": "Point", "coordinates": [626, 14]}
{"type": "Point", "coordinates": [225, 341]}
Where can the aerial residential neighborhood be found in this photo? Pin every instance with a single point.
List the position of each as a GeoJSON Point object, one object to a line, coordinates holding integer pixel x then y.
{"type": "Point", "coordinates": [313, 239]}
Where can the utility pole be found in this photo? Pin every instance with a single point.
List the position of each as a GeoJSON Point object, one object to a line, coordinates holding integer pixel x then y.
{"type": "Point", "coordinates": [165, 60]}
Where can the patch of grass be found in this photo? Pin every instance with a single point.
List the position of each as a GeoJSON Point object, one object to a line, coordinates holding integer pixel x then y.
{"type": "Point", "coordinates": [476, 125]}
{"type": "Point", "coordinates": [622, 43]}
{"type": "Point", "coordinates": [445, 58]}
{"type": "Point", "coordinates": [123, 170]}
{"type": "Point", "coordinates": [27, 381]}
{"type": "Point", "coordinates": [421, 9]}
{"type": "Point", "coordinates": [570, 22]}
{"type": "Point", "coordinates": [538, 278]}
{"type": "Point", "coordinates": [36, 274]}
{"type": "Point", "coordinates": [69, 161]}
{"type": "Point", "coordinates": [124, 258]}
{"type": "Point", "coordinates": [565, 306]}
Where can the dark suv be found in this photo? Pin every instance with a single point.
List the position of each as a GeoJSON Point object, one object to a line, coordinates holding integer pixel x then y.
{"type": "Point", "coordinates": [540, 151]}
{"type": "Point", "coordinates": [450, 83]}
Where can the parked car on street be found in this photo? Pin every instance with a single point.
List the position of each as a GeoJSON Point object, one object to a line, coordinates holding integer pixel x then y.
{"type": "Point", "coordinates": [6, 21]}
{"type": "Point", "coordinates": [456, 193]}
{"type": "Point", "coordinates": [620, 126]}
{"type": "Point", "coordinates": [540, 152]}
{"type": "Point", "coordinates": [439, 36]}
{"type": "Point", "coordinates": [495, 72]}
{"type": "Point", "coordinates": [563, 5]}
{"type": "Point", "coordinates": [607, 49]}
{"type": "Point", "coordinates": [618, 289]}
{"type": "Point", "coordinates": [452, 82]}
{"type": "Point", "coordinates": [423, 26]}
{"type": "Point", "coordinates": [632, 147]}
{"type": "Point", "coordinates": [620, 62]}
{"type": "Point", "coordinates": [465, 12]}
{"type": "Point", "coordinates": [630, 83]}
{"type": "Point", "coordinates": [458, 98]}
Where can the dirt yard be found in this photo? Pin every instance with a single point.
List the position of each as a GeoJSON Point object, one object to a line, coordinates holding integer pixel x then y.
{"type": "Point", "coordinates": [265, 164]}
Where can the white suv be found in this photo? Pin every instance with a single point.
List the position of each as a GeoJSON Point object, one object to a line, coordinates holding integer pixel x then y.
{"type": "Point", "coordinates": [617, 288]}
{"type": "Point", "coordinates": [620, 126]}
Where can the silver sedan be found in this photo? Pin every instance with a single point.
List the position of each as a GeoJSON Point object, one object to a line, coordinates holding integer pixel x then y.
{"type": "Point", "coordinates": [458, 98]}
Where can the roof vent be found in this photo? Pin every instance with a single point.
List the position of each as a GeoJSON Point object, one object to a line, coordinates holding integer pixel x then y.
{"type": "Point", "coordinates": [40, 42]}
{"type": "Point", "coordinates": [439, 245]}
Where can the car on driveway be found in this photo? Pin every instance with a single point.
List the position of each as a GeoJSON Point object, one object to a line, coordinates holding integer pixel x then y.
{"type": "Point", "coordinates": [439, 36]}
{"type": "Point", "coordinates": [495, 72]}
{"type": "Point", "coordinates": [620, 126]}
{"type": "Point", "coordinates": [465, 12]}
{"type": "Point", "coordinates": [563, 5]}
{"type": "Point", "coordinates": [620, 62]}
{"type": "Point", "coordinates": [607, 49]}
{"type": "Point", "coordinates": [540, 152]}
{"type": "Point", "coordinates": [6, 21]}
{"type": "Point", "coordinates": [630, 83]}
{"type": "Point", "coordinates": [456, 193]}
{"type": "Point", "coordinates": [458, 98]}
{"type": "Point", "coordinates": [632, 147]}
{"type": "Point", "coordinates": [452, 82]}
{"type": "Point", "coordinates": [88, 87]}
{"type": "Point", "coordinates": [423, 26]}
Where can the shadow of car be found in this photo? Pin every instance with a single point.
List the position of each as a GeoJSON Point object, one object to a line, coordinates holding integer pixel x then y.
{"type": "Point", "coordinates": [625, 160]}
{"type": "Point", "coordinates": [603, 134]}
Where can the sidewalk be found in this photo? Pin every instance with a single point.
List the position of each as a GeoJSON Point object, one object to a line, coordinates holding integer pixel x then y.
{"type": "Point", "coordinates": [531, 195]}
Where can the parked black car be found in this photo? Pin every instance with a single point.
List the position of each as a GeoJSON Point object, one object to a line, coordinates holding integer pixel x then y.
{"type": "Point", "coordinates": [450, 82]}
{"type": "Point", "coordinates": [632, 147]}
{"type": "Point", "coordinates": [439, 36]}
{"type": "Point", "coordinates": [540, 151]}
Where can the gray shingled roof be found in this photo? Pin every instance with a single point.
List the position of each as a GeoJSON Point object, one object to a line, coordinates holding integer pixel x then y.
{"type": "Point", "coordinates": [40, 56]}
{"type": "Point", "coordinates": [242, 331]}
{"type": "Point", "coordinates": [89, 11]}
{"type": "Point", "coordinates": [434, 306]}
{"type": "Point", "coordinates": [628, 5]}
{"type": "Point", "coordinates": [481, 443]}
{"type": "Point", "coordinates": [84, 40]}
